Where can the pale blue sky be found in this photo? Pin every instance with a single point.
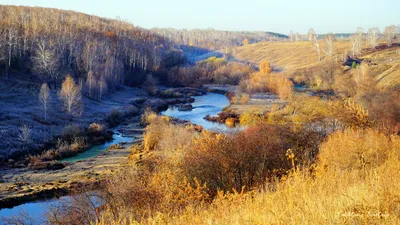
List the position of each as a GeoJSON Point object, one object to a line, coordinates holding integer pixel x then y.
{"type": "Point", "coordinates": [263, 15]}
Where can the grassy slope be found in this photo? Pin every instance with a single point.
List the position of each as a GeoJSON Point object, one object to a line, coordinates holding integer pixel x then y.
{"type": "Point", "coordinates": [289, 57]}
{"type": "Point", "coordinates": [388, 64]}
{"type": "Point", "coordinates": [285, 56]}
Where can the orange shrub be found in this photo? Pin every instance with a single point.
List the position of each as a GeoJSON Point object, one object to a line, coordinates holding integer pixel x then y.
{"type": "Point", "coordinates": [265, 67]}
{"type": "Point", "coordinates": [244, 159]}
{"type": "Point", "coordinates": [275, 83]}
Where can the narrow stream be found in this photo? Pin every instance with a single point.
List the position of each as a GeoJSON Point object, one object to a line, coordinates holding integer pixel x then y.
{"type": "Point", "coordinates": [96, 150]}
{"type": "Point", "coordinates": [209, 104]}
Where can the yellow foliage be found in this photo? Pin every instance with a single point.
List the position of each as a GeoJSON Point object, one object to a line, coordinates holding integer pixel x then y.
{"type": "Point", "coordinates": [265, 67]}
{"type": "Point", "coordinates": [358, 149]}
{"type": "Point", "coordinates": [250, 118]}
{"type": "Point", "coordinates": [328, 195]}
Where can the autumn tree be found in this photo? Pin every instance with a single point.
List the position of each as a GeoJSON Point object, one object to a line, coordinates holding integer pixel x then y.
{"type": "Point", "coordinates": [265, 67]}
{"type": "Point", "coordinates": [44, 98]}
{"type": "Point", "coordinates": [70, 96]}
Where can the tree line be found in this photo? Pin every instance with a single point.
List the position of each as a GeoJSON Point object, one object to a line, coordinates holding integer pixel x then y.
{"type": "Point", "coordinates": [212, 39]}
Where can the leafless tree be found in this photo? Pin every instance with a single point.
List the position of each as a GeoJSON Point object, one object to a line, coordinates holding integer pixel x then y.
{"type": "Point", "coordinates": [44, 98]}
{"type": "Point", "coordinates": [373, 35]}
{"type": "Point", "coordinates": [46, 62]}
{"type": "Point", "coordinates": [11, 41]}
{"type": "Point", "coordinates": [90, 82]}
{"type": "Point", "coordinates": [330, 44]}
{"type": "Point", "coordinates": [70, 96]}
{"type": "Point", "coordinates": [390, 32]}
{"type": "Point", "coordinates": [25, 134]}
{"type": "Point", "coordinates": [156, 57]}
{"type": "Point", "coordinates": [291, 36]}
{"type": "Point", "coordinates": [298, 37]}
{"type": "Point", "coordinates": [311, 33]}
{"type": "Point", "coordinates": [356, 40]}
{"type": "Point", "coordinates": [102, 86]}
{"type": "Point", "coordinates": [317, 47]}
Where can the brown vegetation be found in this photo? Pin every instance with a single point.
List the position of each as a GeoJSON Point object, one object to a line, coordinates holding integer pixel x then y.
{"type": "Point", "coordinates": [275, 83]}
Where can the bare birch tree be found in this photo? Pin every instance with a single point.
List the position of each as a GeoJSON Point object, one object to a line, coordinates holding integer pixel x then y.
{"type": "Point", "coordinates": [44, 98]}
{"type": "Point", "coordinates": [11, 41]}
{"type": "Point", "coordinates": [389, 33]}
{"type": "Point", "coordinates": [311, 33]}
{"type": "Point", "coordinates": [291, 36]}
{"type": "Point", "coordinates": [330, 45]}
{"type": "Point", "coordinates": [46, 62]}
{"type": "Point", "coordinates": [373, 35]}
{"type": "Point", "coordinates": [317, 47]}
{"type": "Point", "coordinates": [90, 81]}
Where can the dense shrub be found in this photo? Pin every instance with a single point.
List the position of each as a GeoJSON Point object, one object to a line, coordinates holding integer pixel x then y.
{"type": "Point", "coordinates": [244, 159]}
{"type": "Point", "coordinates": [275, 83]}
{"type": "Point", "coordinates": [71, 131]}
{"type": "Point", "coordinates": [265, 67]}
{"type": "Point", "coordinates": [96, 128]}
{"type": "Point", "coordinates": [187, 76]}
{"type": "Point", "coordinates": [115, 118]}
{"type": "Point", "coordinates": [358, 149]}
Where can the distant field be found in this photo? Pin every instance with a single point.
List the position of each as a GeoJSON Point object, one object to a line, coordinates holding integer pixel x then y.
{"type": "Point", "coordinates": [288, 57]}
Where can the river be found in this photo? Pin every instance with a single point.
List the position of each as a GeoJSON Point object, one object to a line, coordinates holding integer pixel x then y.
{"type": "Point", "coordinates": [208, 104]}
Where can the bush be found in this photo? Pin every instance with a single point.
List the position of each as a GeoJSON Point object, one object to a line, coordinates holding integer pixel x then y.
{"type": "Point", "coordinates": [115, 146]}
{"type": "Point", "coordinates": [265, 67]}
{"type": "Point", "coordinates": [244, 99]}
{"type": "Point", "coordinates": [244, 159]}
{"type": "Point", "coordinates": [250, 118]}
{"type": "Point", "coordinates": [96, 128]}
{"type": "Point", "coordinates": [275, 83]}
{"type": "Point", "coordinates": [115, 118]}
{"type": "Point", "coordinates": [131, 111]}
{"type": "Point", "coordinates": [71, 131]}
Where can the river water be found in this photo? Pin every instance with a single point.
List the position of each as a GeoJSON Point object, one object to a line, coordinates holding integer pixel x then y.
{"type": "Point", "coordinates": [208, 104]}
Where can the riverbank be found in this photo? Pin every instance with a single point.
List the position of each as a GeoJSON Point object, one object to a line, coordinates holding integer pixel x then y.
{"type": "Point", "coordinates": [19, 185]}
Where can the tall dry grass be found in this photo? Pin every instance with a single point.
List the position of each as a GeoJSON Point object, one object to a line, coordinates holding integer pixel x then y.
{"type": "Point", "coordinates": [324, 194]}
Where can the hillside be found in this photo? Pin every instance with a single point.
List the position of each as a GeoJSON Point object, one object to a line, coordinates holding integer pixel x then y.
{"type": "Point", "coordinates": [387, 66]}
{"type": "Point", "coordinates": [49, 43]}
{"type": "Point", "coordinates": [284, 56]}
{"type": "Point", "coordinates": [289, 57]}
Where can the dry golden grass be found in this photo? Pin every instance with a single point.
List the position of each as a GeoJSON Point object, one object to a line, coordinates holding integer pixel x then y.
{"type": "Point", "coordinates": [290, 57]}
{"type": "Point", "coordinates": [285, 56]}
{"type": "Point", "coordinates": [325, 194]}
